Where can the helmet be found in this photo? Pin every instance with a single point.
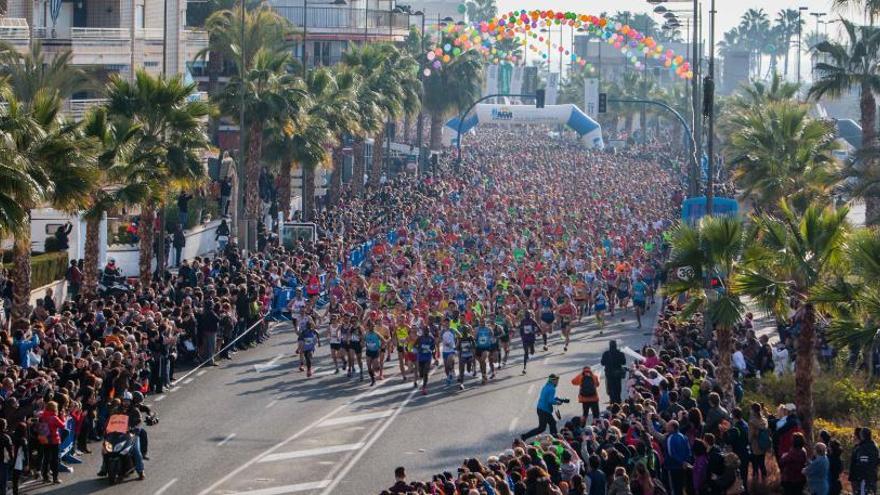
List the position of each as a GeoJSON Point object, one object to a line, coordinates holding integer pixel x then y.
{"type": "Point", "coordinates": [126, 395]}
{"type": "Point", "coordinates": [137, 397]}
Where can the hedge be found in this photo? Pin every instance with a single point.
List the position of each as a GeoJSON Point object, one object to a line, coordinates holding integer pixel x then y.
{"type": "Point", "coordinates": [45, 268]}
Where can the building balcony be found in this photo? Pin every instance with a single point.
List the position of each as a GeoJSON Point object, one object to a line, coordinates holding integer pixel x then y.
{"type": "Point", "coordinates": [346, 23]}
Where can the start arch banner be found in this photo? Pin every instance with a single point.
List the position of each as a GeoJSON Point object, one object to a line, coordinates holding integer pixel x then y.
{"type": "Point", "coordinates": [589, 130]}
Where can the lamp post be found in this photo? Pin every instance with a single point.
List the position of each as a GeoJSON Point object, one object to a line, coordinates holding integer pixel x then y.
{"type": "Point", "coordinates": [710, 110]}
{"type": "Point", "coordinates": [421, 117]}
{"type": "Point", "coordinates": [696, 65]}
{"type": "Point", "coordinates": [799, 47]}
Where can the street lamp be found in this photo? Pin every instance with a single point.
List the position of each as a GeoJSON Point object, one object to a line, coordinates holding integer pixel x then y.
{"type": "Point", "coordinates": [696, 64]}
{"type": "Point", "coordinates": [800, 48]}
{"type": "Point", "coordinates": [818, 16]}
{"type": "Point", "coordinates": [421, 117]}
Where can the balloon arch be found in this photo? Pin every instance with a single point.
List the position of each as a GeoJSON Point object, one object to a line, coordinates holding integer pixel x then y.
{"type": "Point", "coordinates": [524, 28]}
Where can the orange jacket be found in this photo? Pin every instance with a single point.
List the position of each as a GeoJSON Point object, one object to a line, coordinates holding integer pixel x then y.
{"type": "Point", "coordinates": [577, 380]}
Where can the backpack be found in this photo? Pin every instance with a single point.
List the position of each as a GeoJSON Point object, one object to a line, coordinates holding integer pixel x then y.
{"type": "Point", "coordinates": [43, 432]}
{"type": "Point", "coordinates": [588, 386]}
{"type": "Point", "coordinates": [764, 439]}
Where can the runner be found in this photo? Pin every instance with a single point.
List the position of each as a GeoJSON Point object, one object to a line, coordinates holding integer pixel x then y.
{"type": "Point", "coordinates": [484, 349]}
{"type": "Point", "coordinates": [639, 296]}
{"type": "Point", "coordinates": [373, 342]}
{"type": "Point", "coordinates": [527, 328]}
{"type": "Point", "coordinates": [448, 346]}
{"type": "Point", "coordinates": [466, 346]}
{"type": "Point", "coordinates": [425, 347]}
{"type": "Point", "coordinates": [567, 314]}
{"type": "Point", "coordinates": [309, 338]}
{"type": "Point", "coordinates": [546, 307]}
{"type": "Point", "coordinates": [355, 339]}
{"type": "Point", "coordinates": [337, 352]}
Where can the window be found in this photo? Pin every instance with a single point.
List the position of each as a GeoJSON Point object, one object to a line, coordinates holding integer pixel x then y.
{"type": "Point", "coordinates": [139, 17]}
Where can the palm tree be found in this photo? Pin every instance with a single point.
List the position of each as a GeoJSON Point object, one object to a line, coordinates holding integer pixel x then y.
{"type": "Point", "coordinates": [711, 249]}
{"type": "Point", "coordinates": [776, 151]}
{"type": "Point", "coordinates": [755, 28]}
{"type": "Point", "coordinates": [731, 41]}
{"type": "Point", "coordinates": [853, 296]}
{"type": "Point", "coordinates": [871, 8]}
{"type": "Point", "coordinates": [167, 145]}
{"type": "Point", "coordinates": [271, 93]}
{"type": "Point", "coordinates": [339, 109]}
{"type": "Point", "coordinates": [791, 257]}
{"type": "Point", "coordinates": [856, 64]}
{"type": "Point", "coordinates": [263, 64]}
{"type": "Point", "coordinates": [787, 22]}
{"type": "Point", "coordinates": [481, 10]}
{"type": "Point", "coordinates": [451, 90]}
{"type": "Point", "coordinates": [306, 138]}
{"type": "Point", "coordinates": [395, 81]}
{"type": "Point", "coordinates": [114, 142]}
{"type": "Point", "coordinates": [50, 150]}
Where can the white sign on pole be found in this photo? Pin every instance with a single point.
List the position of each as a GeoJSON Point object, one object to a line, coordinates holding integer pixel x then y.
{"type": "Point", "coordinates": [552, 88]}
{"type": "Point", "coordinates": [491, 83]}
{"type": "Point", "coordinates": [516, 80]}
{"type": "Point", "coordinates": [591, 97]}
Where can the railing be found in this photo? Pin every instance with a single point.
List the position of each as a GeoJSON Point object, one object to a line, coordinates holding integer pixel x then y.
{"type": "Point", "coordinates": [14, 28]}
{"type": "Point", "coordinates": [149, 33]}
{"type": "Point", "coordinates": [345, 19]}
{"type": "Point", "coordinates": [90, 33]}
{"type": "Point", "coordinates": [76, 109]}
{"type": "Point", "coordinates": [196, 35]}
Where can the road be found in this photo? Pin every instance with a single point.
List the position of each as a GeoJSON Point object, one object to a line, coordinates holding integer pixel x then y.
{"type": "Point", "coordinates": [257, 426]}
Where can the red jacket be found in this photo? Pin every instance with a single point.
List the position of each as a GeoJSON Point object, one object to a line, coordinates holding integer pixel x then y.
{"type": "Point", "coordinates": [52, 424]}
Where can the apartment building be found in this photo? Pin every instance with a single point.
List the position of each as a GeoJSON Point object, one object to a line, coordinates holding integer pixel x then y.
{"type": "Point", "coordinates": [105, 36]}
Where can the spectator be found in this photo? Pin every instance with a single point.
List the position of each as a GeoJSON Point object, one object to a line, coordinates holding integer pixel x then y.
{"type": "Point", "coordinates": [863, 464]}
{"type": "Point", "coordinates": [792, 467]}
{"type": "Point", "coordinates": [817, 471]}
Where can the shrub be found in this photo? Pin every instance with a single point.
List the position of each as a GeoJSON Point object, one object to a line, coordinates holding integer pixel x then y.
{"type": "Point", "coordinates": [835, 398]}
{"type": "Point", "coordinates": [46, 268]}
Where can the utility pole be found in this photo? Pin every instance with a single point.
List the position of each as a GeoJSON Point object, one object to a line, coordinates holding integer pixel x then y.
{"type": "Point", "coordinates": [244, 228]}
{"type": "Point", "coordinates": [696, 127]}
{"type": "Point", "coordinates": [710, 110]}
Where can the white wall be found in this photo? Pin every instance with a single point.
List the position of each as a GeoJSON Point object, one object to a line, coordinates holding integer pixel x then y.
{"type": "Point", "coordinates": [199, 241]}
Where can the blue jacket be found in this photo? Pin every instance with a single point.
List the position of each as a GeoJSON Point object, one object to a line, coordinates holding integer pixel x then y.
{"type": "Point", "coordinates": [24, 346]}
{"type": "Point", "coordinates": [548, 397]}
{"type": "Point", "coordinates": [678, 450]}
{"type": "Point", "coordinates": [817, 475]}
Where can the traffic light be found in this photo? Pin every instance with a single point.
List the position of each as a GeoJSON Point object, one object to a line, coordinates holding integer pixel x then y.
{"type": "Point", "coordinates": [539, 98]}
{"type": "Point", "coordinates": [603, 102]}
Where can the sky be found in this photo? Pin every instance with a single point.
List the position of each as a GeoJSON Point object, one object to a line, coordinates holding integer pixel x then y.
{"type": "Point", "coordinates": [729, 12]}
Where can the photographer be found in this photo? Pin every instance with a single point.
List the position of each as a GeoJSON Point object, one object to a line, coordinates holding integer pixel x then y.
{"type": "Point", "coordinates": [546, 401]}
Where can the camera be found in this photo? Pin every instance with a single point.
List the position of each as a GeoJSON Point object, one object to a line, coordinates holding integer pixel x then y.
{"type": "Point", "coordinates": [564, 401]}
{"type": "Point", "coordinates": [151, 419]}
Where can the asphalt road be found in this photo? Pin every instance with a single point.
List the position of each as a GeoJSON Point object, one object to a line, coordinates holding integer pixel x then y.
{"type": "Point", "coordinates": [257, 426]}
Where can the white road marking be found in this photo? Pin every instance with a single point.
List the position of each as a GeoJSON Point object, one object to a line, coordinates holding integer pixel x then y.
{"type": "Point", "coordinates": [165, 487]}
{"type": "Point", "coordinates": [356, 418]}
{"type": "Point", "coordinates": [201, 372]}
{"type": "Point", "coordinates": [375, 436]}
{"type": "Point", "coordinates": [388, 390]}
{"type": "Point", "coordinates": [188, 381]}
{"type": "Point", "coordinates": [269, 365]}
{"type": "Point", "coordinates": [160, 398]}
{"type": "Point", "coordinates": [226, 440]}
{"type": "Point", "coordinates": [531, 389]}
{"type": "Point", "coordinates": [297, 454]}
{"type": "Point", "coordinates": [546, 361]}
{"type": "Point", "coordinates": [235, 472]}
{"type": "Point", "coordinates": [513, 423]}
{"type": "Point", "coordinates": [271, 403]}
{"type": "Point", "coordinates": [281, 490]}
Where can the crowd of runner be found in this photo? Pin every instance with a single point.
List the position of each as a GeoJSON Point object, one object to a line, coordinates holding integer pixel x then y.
{"type": "Point", "coordinates": [667, 426]}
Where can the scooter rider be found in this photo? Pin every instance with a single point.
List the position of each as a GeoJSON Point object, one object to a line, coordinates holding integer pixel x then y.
{"type": "Point", "coordinates": [134, 420]}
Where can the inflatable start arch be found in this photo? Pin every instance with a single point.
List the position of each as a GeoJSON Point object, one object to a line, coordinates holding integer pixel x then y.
{"type": "Point", "coordinates": [589, 130]}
